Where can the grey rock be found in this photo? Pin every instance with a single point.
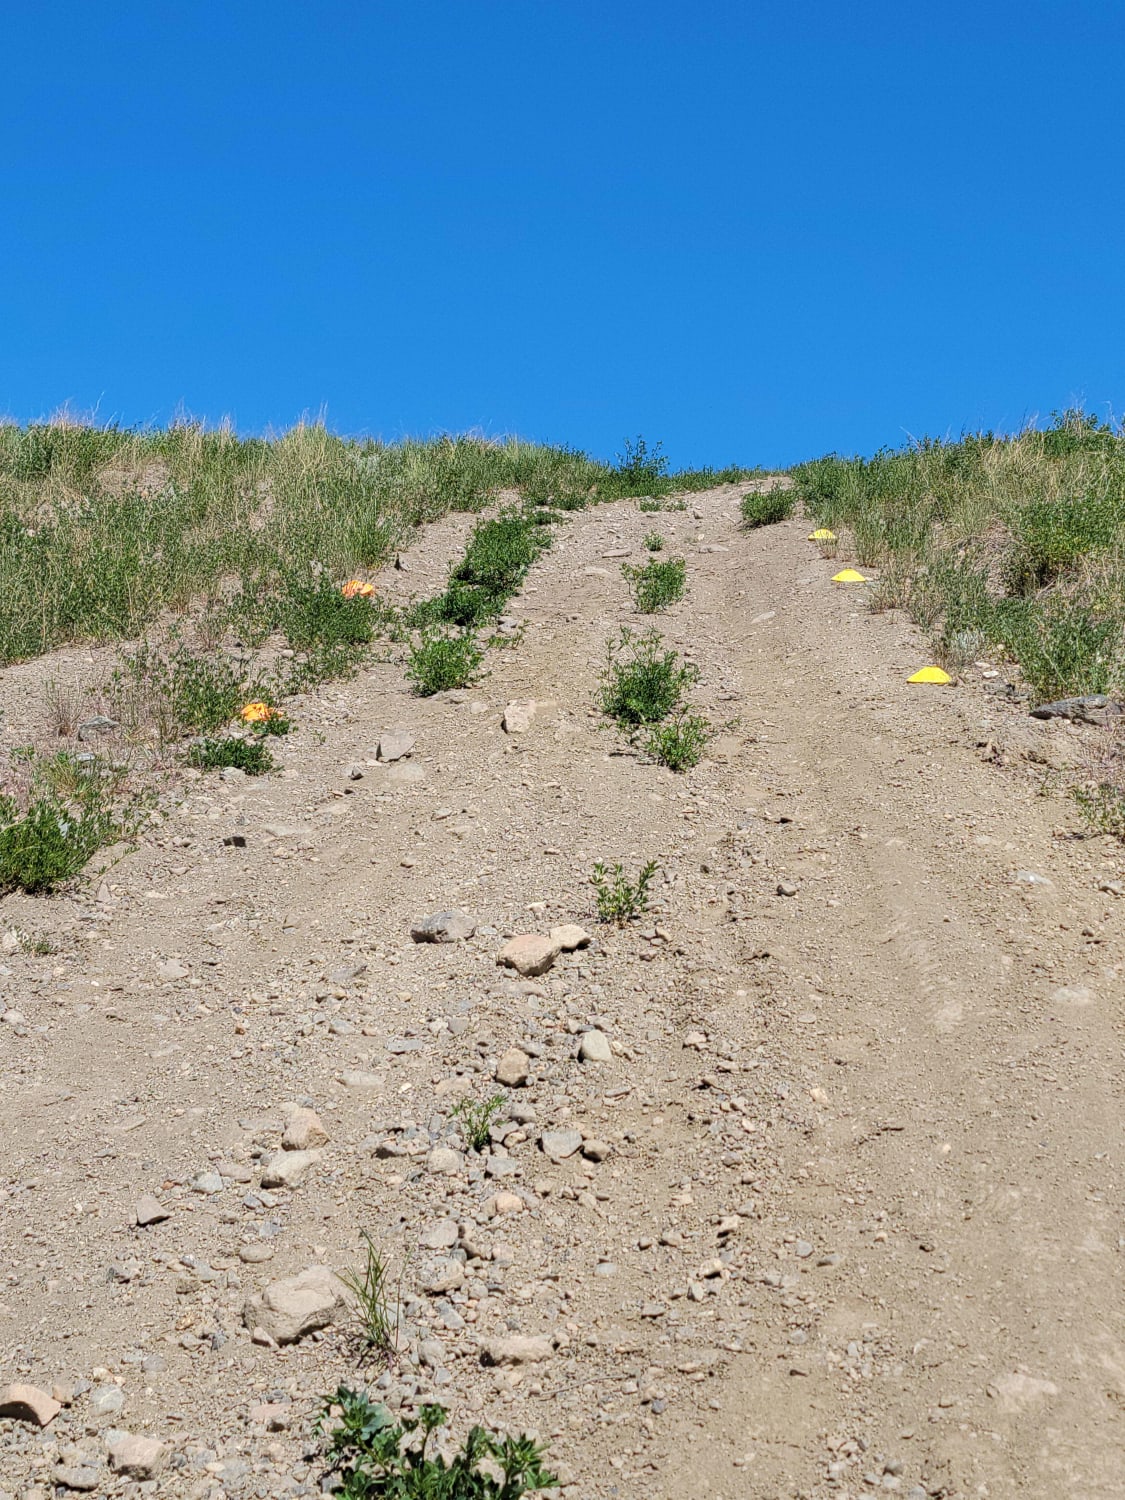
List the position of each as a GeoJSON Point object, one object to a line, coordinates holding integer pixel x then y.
{"type": "Point", "coordinates": [442, 1275]}
{"type": "Point", "coordinates": [1094, 708]}
{"type": "Point", "coordinates": [106, 1400]}
{"type": "Point", "coordinates": [150, 1210]}
{"type": "Point", "coordinates": [443, 927]}
{"type": "Point", "coordinates": [287, 1168]}
{"type": "Point", "coordinates": [95, 725]}
{"type": "Point", "coordinates": [395, 744]}
{"type": "Point", "coordinates": [81, 1477]}
{"type": "Point", "coordinates": [512, 1069]}
{"type": "Point", "coordinates": [288, 1310]}
{"type": "Point", "coordinates": [559, 1144]}
{"type": "Point", "coordinates": [594, 1047]}
{"type": "Point", "coordinates": [207, 1183]}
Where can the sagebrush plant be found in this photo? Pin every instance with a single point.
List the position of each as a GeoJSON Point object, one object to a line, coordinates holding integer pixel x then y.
{"type": "Point", "coordinates": [1103, 807]}
{"type": "Point", "coordinates": [766, 507]}
{"type": "Point", "coordinates": [250, 756]}
{"type": "Point", "coordinates": [657, 584]}
{"type": "Point", "coordinates": [679, 743]}
{"type": "Point", "coordinates": [475, 1117]}
{"type": "Point", "coordinates": [654, 541]}
{"type": "Point", "coordinates": [439, 662]}
{"type": "Point", "coordinates": [63, 810]}
{"type": "Point", "coordinates": [376, 1300]}
{"type": "Point", "coordinates": [371, 1456]}
{"type": "Point", "coordinates": [642, 683]}
{"type": "Point", "coordinates": [619, 899]}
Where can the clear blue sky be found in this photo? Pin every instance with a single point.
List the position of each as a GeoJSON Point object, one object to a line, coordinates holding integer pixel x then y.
{"type": "Point", "coordinates": [757, 231]}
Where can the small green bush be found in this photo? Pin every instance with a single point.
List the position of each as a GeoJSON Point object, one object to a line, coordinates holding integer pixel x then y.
{"type": "Point", "coordinates": [439, 662]}
{"type": "Point", "coordinates": [1052, 535]}
{"type": "Point", "coordinates": [476, 1117]}
{"type": "Point", "coordinates": [641, 683]}
{"type": "Point", "coordinates": [376, 1304]}
{"type": "Point", "coordinates": [496, 561]}
{"type": "Point", "coordinates": [72, 809]}
{"type": "Point", "coordinates": [657, 584]}
{"type": "Point", "coordinates": [678, 744]}
{"type": "Point", "coordinates": [654, 542]}
{"type": "Point", "coordinates": [372, 1457]}
{"type": "Point", "coordinates": [620, 899]}
{"type": "Point", "coordinates": [250, 756]}
{"type": "Point", "coordinates": [766, 507]}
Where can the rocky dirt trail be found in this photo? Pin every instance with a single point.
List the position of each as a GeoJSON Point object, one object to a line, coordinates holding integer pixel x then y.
{"type": "Point", "coordinates": [806, 1184]}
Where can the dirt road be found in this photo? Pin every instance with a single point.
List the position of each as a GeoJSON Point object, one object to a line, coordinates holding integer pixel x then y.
{"type": "Point", "coordinates": [846, 1212]}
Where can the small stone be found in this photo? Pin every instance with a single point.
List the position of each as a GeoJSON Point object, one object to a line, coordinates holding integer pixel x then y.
{"type": "Point", "coordinates": [518, 717]}
{"type": "Point", "coordinates": [431, 1352]}
{"type": "Point", "coordinates": [137, 1457]}
{"type": "Point", "coordinates": [171, 969]}
{"type": "Point", "coordinates": [530, 955]}
{"type": "Point", "coordinates": [786, 888]}
{"type": "Point", "coordinates": [288, 1310]}
{"type": "Point", "coordinates": [81, 1477]}
{"type": "Point", "coordinates": [502, 1203]}
{"type": "Point", "coordinates": [254, 1255]}
{"type": "Point", "coordinates": [802, 1249]}
{"type": "Point", "coordinates": [1017, 1391]}
{"type": "Point", "coordinates": [207, 1183]}
{"type": "Point", "coordinates": [97, 724]}
{"type": "Point", "coordinates": [287, 1168]}
{"type": "Point", "coordinates": [1032, 878]}
{"type": "Point", "coordinates": [303, 1131]}
{"type": "Point", "coordinates": [595, 1150]}
{"type": "Point", "coordinates": [27, 1403]}
{"type": "Point", "coordinates": [443, 927]}
{"type": "Point", "coordinates": [394, 745]}
{"type": "Point", "coordinates": [354, 771]}
{"type": "Point", "coordinates": [1111, 887]}
{"type": "Point", "coordinates": [559, 1144]}
{"type": "Point", "coordinates": [274, 1416]}
{"type": "Point", "coordinates": [150, 1210]}
{"type": "Point", "coordinates": [570, 937]}
{"type": "Point", "coordinates": [512, 1069]}
{"type": "Point", "coordinates": [361, 1083]}
{"type": "Point", "coordinates": [442, 1275]}
{"type": "Point", "coordinates": [594, 1047]}
{"type": "Point", "coordinates": [519, 1349]}
{"type": "Point", "coordinates": [444, 1161]}
{"type": "Point", "coordinates": [443, 1236]}
{"type": "Point", "coordinates": [107, 1400]}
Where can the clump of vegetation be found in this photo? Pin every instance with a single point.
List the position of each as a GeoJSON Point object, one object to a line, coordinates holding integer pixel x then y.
{"type": "Point", "coordinates": [654, 542]}
{"type": "Point", "coordinates": [1103, 807]}
{"type": "Point", "coordinates": [476, 1117]}
{"type": "Point", "coordinates": [657, 584]}
{"type": "Point", "coordinates": [439, 662]}
{"type": "Point", "coordinates": [496, 561]}
{"type": "Point", "coordinates": [642, 683]}
{"type": "Point", "coordinates": [375, 1457]}
{"type": "Point", "coordinates": [678, 744]}
{"type": "Point", "coordinates": [64, 809]}
{"type": "Point", "coordinates": [766, 507]}
{"type": "Point", "coordinates": [376, 1302]}
{"type": "Point", "coordinates": [250, 756]}
{"type": "Point", "coordinates": [620, 900]}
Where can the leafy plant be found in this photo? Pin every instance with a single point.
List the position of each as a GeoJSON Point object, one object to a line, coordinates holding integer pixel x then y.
{"type": "Point", "coordinates": [375, 1459]}
{"type": "Point", "coordinates": [678, 744]}
{"type": "Point", "coordinates": [476, 1117]}
{"type": "Point", "coordinates": [640, 466]}
{"type": "Point", "coordinates": [766, 507]}
{"type": "Point", "coordinates": [250, 756]}
{"type": "Point", "coordinates": [496, 561]}
{"type": "Point", "coordinates": [1103, 807]}
{"type": "Point", "coordinates": [376, 1301]}
{"type": "Point", "coordinates": [642, 684]}
{"type": "Point", "coordinates": [620, 899]}
{"type": "Point", "coordinates": [650, 506]}
{"type": "Point", "coordinates": [654, 542]}
{"type": "Point", "coordinates": [439, 662]}
{"type": "Point", "coordinates": [70, 809]}
{"type": "Point", "coordinates": [657, 584]}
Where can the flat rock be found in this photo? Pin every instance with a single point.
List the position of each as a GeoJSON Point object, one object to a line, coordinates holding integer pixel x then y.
{"type": "Point", "coordinates": [27, 1403]}
{"type": "Point", "coordinates": [362, 1082]}
{"type": "Point", "coordinates": [80, 1477]}
{"type": "Point", "coordinates": [303, 1131]}
{"type": "Point", "coordinates": [394, 744]}
{"type": "Point", "coordinates": [150, 1210]}
{"type": "Point", "coordinates": [559, 1144]}
{"type": "Point", "coordinates": [570, 936]}
{"type": "Point", "coordinates": [529, 955]}
{"type": "Point", "coordinates": [137, 1457]}
{"type": "Point", "coordinates": [287, 1168]}
{"type": "Point", "coordinates": [443, 1236]}
{"type": "Point", "coordinates": [513, 1068]}
{"type": "Point", "coordinates": [443, 927]}
{"type": "Point", "coordinates": [287, 1310]}
{"type": "Point", "coordinates": [517, 1349]}
{"type": "Point", "coordinates": [171, 969]}
{"type": "Point", "coordinates": [518, 717]}
{"type": "Point", "coordinates": [594, 1047]}
{"type": "Point", "coordinates": [442, 1275]}
{"type": "Point", "coordinates": [443, 1161]}
{"type": "Point", "coordinates": [1017, 1391]}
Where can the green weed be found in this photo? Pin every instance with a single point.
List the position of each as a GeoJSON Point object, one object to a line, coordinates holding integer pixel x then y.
{"type": "Point", "coordinates": [657, 584]}
{"type": "Point", "coordinates": [439, 662]}
{"type": "Point", "coordinates": [250, 756]}
{"type": "Point", "coordinates": [374, 1457]}
{"type": "Point", "coordinates": [67, 809]}
{"type": "Point", "coordinates": [766, 507]}
{"type": "Point", "coordinates": [642, 683]}
{"type": "Point", "coordinates": [654, 542]}
{"type": "Point", "coordinates": [496, 561]}
{"type": "Point", "coordinates": [620, 900]}
{"type": "Point", "coordinates": [376, 1300]}
{"type": "Point", "coordinates": [678, 744]}
{"type": "Point", "coordinates": [476, 1117]}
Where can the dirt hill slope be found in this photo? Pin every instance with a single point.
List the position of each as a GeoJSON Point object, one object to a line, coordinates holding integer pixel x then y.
{"type": "Point", "coordinates": [845, 1212]}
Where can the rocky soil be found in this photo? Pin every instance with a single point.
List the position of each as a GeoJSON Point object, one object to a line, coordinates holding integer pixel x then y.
{"type": "Point", "coordinates": [805, 1185]}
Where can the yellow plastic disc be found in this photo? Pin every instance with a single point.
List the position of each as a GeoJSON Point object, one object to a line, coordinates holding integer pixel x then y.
{"type": "Point", "coordinates": [822, 535]}
{"type": "Point", "coordinates": [932, 674]}
{"type": "Point", "coordinates": [849, 575]}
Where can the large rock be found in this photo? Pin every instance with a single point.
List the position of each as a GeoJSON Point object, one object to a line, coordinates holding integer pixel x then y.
{"type": "Point", "coordinates": [443, 927]}
{"type": "Point", "coordinates": [518, 1349]}
{"type": "Point", "coordinates": [287, 1168]}
{"type": "Point", "coordinates": [137, 1457]}
{"type": "Point", "coordinates": [27, 1403]}
{"type": "Point", "coordinates": [288, 1310]}
{"type": "Point", "coordinates": [303, 1130]}
{"type": "Point", "coordinates": [395, 744]}
{"type": "Point", "coordinates": [530, 955]}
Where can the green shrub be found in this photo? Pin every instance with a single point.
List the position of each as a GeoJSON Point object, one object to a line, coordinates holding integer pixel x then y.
{"type": "Point", "coordinates": [657, 584]}
{"type": "Point", "coordinates": [620, 899]}
{"type": "Point", "coordinates": [654, 542]}
{"type": "Point", "coordinates": [373, 1458]}
{"type": "Point", "coordinates": [250, 756]}
{"type": "Point", "coordinates": [678, 744]}
{"type": "Point", "coordinates": [376, 1304]}
{"type": "Point", "coordinates": [1052, 535]}
{"type": "Point", "coordinates": [476, 1117]}
{"type": "Point", "coordinates": [766, 507]}
{"type": "Point", "coordinates": [496, 561]}
{"type": "Point", "coordinates": [641, 683]}
{"type": "Point", "coordinates": [73, 807]}
{"type": "Point", "coordinates": [439, 662]}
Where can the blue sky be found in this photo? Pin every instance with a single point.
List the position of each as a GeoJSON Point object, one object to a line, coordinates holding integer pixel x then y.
{"type": "Point", "coordinates": [756, 231]}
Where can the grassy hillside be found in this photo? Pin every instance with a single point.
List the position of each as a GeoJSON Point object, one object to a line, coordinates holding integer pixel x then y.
{"type": "Point", "coordinates": [1009, 544]}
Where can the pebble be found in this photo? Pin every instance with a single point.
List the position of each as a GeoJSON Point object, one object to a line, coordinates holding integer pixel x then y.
{"type": "Point", "coordinates": [559, 1144]}
{"type": "Point", "coordinates": [360, 1082]}
{"type": "Point", "coordinates": [443, 927]}
{"type": "Point", "coordinates": [443, 1236]}
{"type": "Point", "coordinates": [137, 1457]}
{"type": "Point", "coordinates": [518, 717]}
{"type": "Point", "coordinates": [254, 1255]}
{"type": "Point", "coordinates": [303, 1130]}
{"type": "Point", "coordinates": [442, 1275]}
{"type": "Point", "coordinates": [786, 888]}
{"type": "Point", "coordinates": [595, 1150]}
{"type": "Point", "coordinates": [570, 937]}
{"type": "Point", "coordinates": [443, 1161]}
{"type": "Point", "coordinates": [394, 745]}
{"type": "Point", "coordinates": [107, 1400]}
{"type": "Point", "coordinates": [288, 1168]}
{"type": "Point", "coordinates": [594, 1047]}
{"type": "Point", "coordinates": [171, 969]}
{"type": "Point", "coordinates": [149, 1210]}
{"type": "Point", "coordinates": [519, 1349]}
{"type": "Point", "coordinates": [77, 1477]}
{"type": "Point", "coordinates": [529, 954]}
{"type": "Point", "coordinates": [207, 1183]}
{"type": "Point", "coordinates": [513, 1068]}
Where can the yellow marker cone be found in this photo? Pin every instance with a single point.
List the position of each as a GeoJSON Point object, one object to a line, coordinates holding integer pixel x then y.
{"type": "Point", "coordinates": [849, 575]}
{"type": "Point", "coordinates": [932, 674]}
{"type": "Point", "coordinates": [822, 535]}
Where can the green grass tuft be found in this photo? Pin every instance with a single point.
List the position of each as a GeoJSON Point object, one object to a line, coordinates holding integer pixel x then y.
{"type": "Point", "coordinates": [657, 584]}
{"type": "Point", "coordinates": [440, 662]}
{"type": "Point", "coordinates": [642, 683]}
{"type": "Point", "coordinates": [766, 507]}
